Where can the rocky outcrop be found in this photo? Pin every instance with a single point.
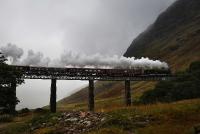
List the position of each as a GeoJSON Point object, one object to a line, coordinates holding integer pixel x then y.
{"type": "Point", "coordinates": [77, 122]}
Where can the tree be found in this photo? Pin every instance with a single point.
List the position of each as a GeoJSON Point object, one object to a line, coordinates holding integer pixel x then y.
{"type": "Point", "coordinates": [194, 69]}
{"type": "Point", "coordinates": [9, 79]}
{"type": "Point", "coordinates": [2, 58]}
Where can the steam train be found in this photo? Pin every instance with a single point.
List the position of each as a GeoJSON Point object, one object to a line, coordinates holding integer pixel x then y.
{"type": "Point", "coordinates": [91, 72]}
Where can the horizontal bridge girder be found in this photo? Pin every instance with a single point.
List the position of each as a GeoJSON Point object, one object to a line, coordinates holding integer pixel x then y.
{"type": "Point", "coordinates": [93, 74]}
{"type": "Point", "coordinates": [103, 79]}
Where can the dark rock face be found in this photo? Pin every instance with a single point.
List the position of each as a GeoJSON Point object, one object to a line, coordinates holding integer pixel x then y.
{"type": "Point", "coordinates": [177, 15]}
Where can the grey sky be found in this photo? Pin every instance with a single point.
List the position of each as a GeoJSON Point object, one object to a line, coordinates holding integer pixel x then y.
{"type": "Point", "coordinates": [90, 26]}
{"type": "Point", "coordinates": [87, 26]}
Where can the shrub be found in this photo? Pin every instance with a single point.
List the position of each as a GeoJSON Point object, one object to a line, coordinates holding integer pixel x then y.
{"type": "Point", "coordinates": [24, 110]}
{"type": "Point", "coordinates": [185, 86]}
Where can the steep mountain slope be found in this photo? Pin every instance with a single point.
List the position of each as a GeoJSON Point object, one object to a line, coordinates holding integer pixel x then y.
{"type": "Point", "coordinates": [174, 38]}
{"type": "Point", "coordinates": [107, 90]}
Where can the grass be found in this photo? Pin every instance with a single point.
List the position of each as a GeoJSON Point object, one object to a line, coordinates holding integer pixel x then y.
{"type": "Point", "coordinates": [6, 118]}
{"type": "Point", "coordinates": [110, 130]}
{"type": "Point", "coordinates": [180, 117]}
{"type": "Point", "coordinates": [17, 128]}
{"type": "Point", "coordinates": [112, 95]}
{"type": "Point", "coordinates": [20, 123]}
{"type": "Point", "coordinates": [48, 117]}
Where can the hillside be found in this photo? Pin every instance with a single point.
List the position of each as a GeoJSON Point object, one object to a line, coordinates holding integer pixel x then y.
{"type": "Point", "coordinates": [174, 38]}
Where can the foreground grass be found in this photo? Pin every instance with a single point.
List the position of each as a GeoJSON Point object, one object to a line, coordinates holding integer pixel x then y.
{"type": "Point", "coordinates": [17, 125]}
{"type": "Point", "coordinates": [174, 118]}
{"type": "Point", "coordinates": [20, 123]}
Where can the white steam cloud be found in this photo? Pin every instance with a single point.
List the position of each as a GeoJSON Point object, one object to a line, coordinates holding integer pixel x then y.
{"type": "Point", "coordinates": [35, 59]}
{"type": "Point", "coordinates": [12, 51]}
{"type": "Point", "coordinates": [71, 59]}
{"type": "Point", "coordinates": [106, 61]}
{"type": "Point", "coordinates": [15, 54]}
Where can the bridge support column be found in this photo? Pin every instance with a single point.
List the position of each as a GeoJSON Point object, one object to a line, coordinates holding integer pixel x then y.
{"type": "Point", "coordinates": [127, 93]}
{"type": "Point", "coordinates": [91, 96]}
{"type": "Point", "coordinates": [13, 88]}
{"type": "Point", "coordinates": [53, 96]}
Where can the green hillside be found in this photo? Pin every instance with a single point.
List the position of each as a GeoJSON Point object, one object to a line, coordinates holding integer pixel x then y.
{"type": "Point", "coordinates": [174, 38]}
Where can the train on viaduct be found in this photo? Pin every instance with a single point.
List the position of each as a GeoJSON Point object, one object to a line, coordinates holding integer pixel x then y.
{"type": "Point", "coordinates": [91, 74]}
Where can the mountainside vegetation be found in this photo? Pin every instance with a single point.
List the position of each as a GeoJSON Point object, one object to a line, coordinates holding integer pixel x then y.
{"type": "Point", "coordinates": [185, 86]}
{"type": "Point", "coordinates": [174, 37]}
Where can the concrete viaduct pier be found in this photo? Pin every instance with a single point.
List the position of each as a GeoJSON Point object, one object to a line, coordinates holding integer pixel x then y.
{"type": "Point", "coordinates": [91, 74]}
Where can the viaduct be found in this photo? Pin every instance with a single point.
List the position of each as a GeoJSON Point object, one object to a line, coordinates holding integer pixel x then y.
{"type": "Point", "coordinates": [91, 74]}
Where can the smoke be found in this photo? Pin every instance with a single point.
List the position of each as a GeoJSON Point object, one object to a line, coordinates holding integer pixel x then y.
{"type": "Point", "coordinates": [35, 59]}
{"type": "Point", "coordinates": [15, 54]}
{"type": "Point", "coordinates": [71, 59]}
{"type": "Point", "coordinates": [79, 60]}
{"type": "Point", "coordinates": [12, 51]}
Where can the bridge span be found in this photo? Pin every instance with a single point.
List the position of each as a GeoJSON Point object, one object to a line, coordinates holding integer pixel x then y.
{"type": "Point", "coordinates": [91, 74]}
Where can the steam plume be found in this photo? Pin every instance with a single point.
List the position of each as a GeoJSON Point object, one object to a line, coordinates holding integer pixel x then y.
{"type": "Point", "coordinates": [106, 61]}
{"type": "Point", "coordinates": [15, 54]}
{"type": "Point", "coordinates": [35, 59]}
{"type": "Point", "coordinates": [71, 59]}
{"type": "Point", "coordinates": [12, 51]}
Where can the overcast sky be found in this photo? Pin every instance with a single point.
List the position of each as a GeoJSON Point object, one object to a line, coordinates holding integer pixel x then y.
{"type": "Point", "coordinates": [87, 26]}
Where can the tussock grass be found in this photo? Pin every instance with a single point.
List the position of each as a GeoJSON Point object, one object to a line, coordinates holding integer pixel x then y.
{"type": "Point", "coordinates": [17, 128]}
{"type": "Point", "coordinates": [110, 130]}
{"type": "Point", "coordinates": [163, 118]}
